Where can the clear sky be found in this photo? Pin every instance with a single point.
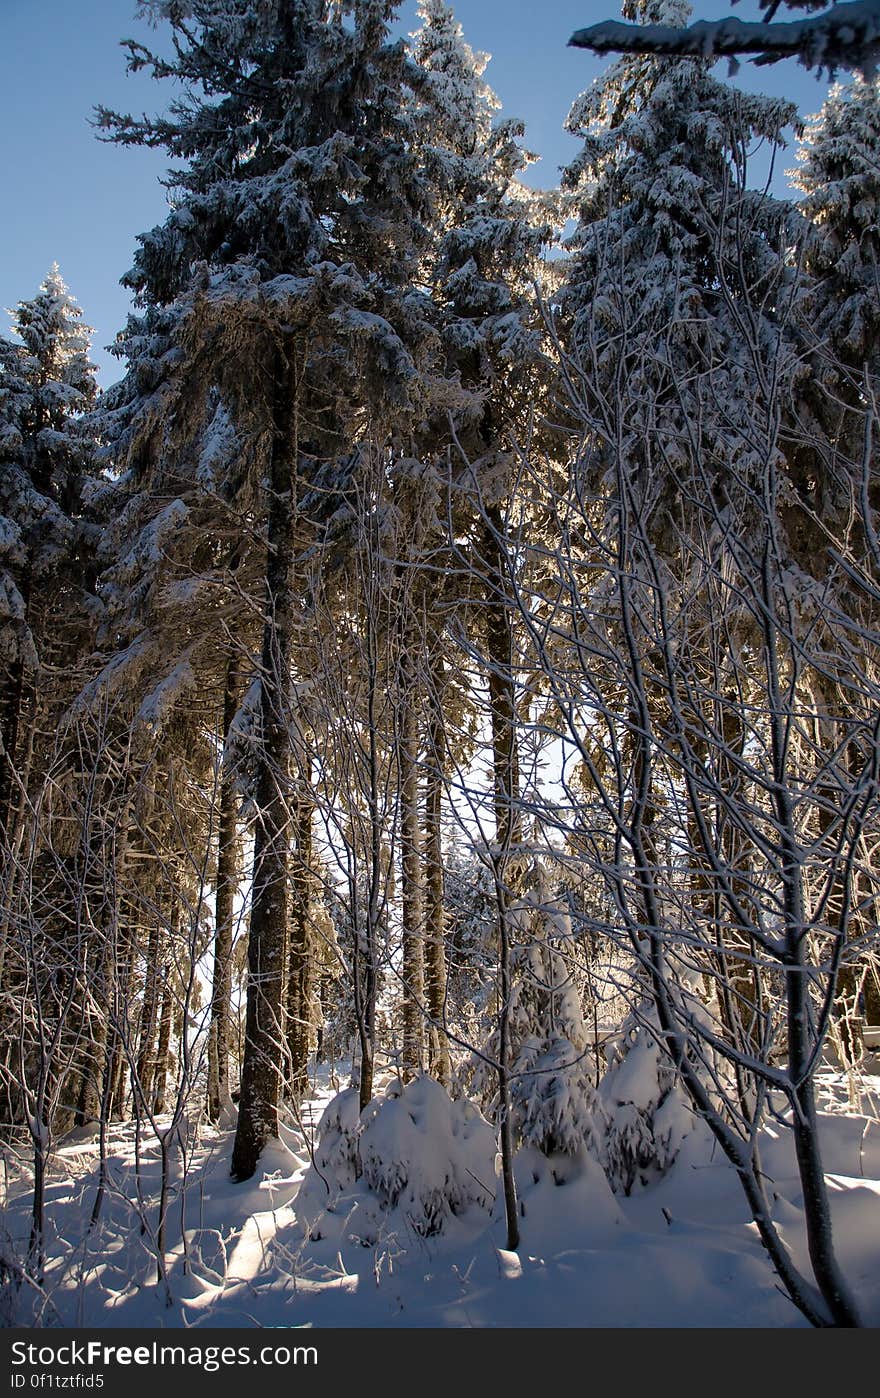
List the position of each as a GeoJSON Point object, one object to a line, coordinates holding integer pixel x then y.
{"type": "Point", "coordinates": [68, 197]}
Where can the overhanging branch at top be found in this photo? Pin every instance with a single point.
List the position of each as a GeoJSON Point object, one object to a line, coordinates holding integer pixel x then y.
{"type": "Point", "coordinates": [847, 36]}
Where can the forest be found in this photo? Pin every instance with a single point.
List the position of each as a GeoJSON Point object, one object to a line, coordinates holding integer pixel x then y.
{"type": "Point", "coordinates": [440, 691]}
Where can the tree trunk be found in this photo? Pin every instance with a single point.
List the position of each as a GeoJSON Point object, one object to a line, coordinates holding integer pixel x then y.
{"type": "Point", "coordinates": [92, 1060]}
{"type": "Point", "coordinates": [871, 991]}
{"type": "Point", "coordinates": [11, 699]}
{"type": "Point", "coordinates": [146, 1060]}
{"type": "Point", "coordinates": [16, 695]}
{"type": "Point", "coordinates": [805, 1128]}
{"type": "Point", "coordinates": [502, 699]}
{"type": "Point", "coordinates": [227, 874]}
{"type": "Point", "coordinates": [505, 770]}
{"type": "Point", "coordinates": [264, 1029]}
{"type": "Point", "coordinates": [165, 1021]}
{"type": "Point", "coordinates": [121, 1029]}
{"type": "Point", "coordinates": [365, 951]}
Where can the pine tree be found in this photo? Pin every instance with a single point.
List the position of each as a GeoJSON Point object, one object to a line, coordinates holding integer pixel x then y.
{"type": "Point", "coordinates": [46, 582]}
{"type": "Point", "coordinates": [838, 177]}
{"type": "Point", "coordinates": [669, 243]}
{"type": "Point", "coordinates": [46, 384]}
{"type": "Point", "coordinates": [840, 310]}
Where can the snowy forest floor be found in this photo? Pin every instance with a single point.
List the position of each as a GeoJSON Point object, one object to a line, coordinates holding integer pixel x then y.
{"type": "Point", "coordinates": [678, 1252]}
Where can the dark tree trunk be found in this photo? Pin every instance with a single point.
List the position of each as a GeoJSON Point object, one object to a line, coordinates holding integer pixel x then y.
{"type": "Point", "coordinates": [117, 1061]}
{"type": "Point", "coordinates": [435, 920]}
{"type": "Point", "coordinates": [412, 969]}
{"type": "Point", "coordinates": [264, 1023]}
{"type": "Point", "coordinates": [146, 1060]}
{"type": "Point", "coordinates": [99, 1030]}
{"type": "Point", "coordinates": [502, 698]}
{"type": "Point", "coordinates": [92, 1060]}
{"type": "Point", "coordinates": [871, 992]}
{"type": "Point", "coordinates": [366, 939]}
{"type": "Point", "coordinates": [166, 1019]}
{"type": "Point", "coordinates": [11, 699]}
{"type": "Point", "coordinates": [505, 769]}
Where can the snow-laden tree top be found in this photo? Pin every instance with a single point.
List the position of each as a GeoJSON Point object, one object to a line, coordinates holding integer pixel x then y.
{"type": "Point", "coordinates": [839, 176]}
{"type": "Point", "coordinates": [462, 103]}
{"type": "Point", "coordinates": [846, 36]}
{"type": "Point", "coordinates": [54, 355]}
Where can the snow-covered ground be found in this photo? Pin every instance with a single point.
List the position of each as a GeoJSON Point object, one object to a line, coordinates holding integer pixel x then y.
{"type": "Point", "coordinates": [679, 1252]}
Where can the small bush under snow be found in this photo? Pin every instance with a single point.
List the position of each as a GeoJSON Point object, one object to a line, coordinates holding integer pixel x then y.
{"type": "Point", "coordinates": [552, 1099]}
{"type": "Point", "coordinates": [426, 1155]}
{"type": "Point", "coordinates": [645, 1110]}
{"type": "Point", "coordinates": [336, 1155]}
{"type": "Point", "coordinates": [413, 1153]}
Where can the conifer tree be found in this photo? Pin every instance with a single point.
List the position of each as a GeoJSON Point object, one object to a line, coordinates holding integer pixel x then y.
{"type": "Point", "coordinates": [840, 305]}
{"type": "Point", "coordinates": [47, 382]}
{"type": "Point", "coordinates": [299, 211]}
{"type": "Point", "coordinates": [831, 465]}
{"type": "Point", "coordinates": [837, 174]}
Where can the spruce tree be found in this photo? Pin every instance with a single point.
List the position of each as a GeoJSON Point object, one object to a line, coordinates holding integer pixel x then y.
{"type": "Point", "coordinates": [840, 310]}
{"type": "Point", "coordinates": [489, 257]}
{"type": "Point", "coordinates": [47, 382]}
{"type": "Point", "coordinates": [839, 177]}
{"type": "Point", "coordinates": [288, 262]}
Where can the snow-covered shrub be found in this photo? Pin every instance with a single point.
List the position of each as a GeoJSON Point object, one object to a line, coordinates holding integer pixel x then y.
{"type": "Point", "coordinates": [552, 1100]}
{"type": "Point", "coordinates": [426, 1155]}
{"type": "Point", "coordinates": [413, 1153]}
{"type": "Point", "coordinates": [470, 920]}
{"type": "Point", "coordinates": [645, 1112]}
{"type": "Point", "coordinates": [336, 1154]}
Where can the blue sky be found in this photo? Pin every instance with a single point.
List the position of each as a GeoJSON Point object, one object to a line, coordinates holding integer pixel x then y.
{"type": "Point", "coordinates": [70, 198]}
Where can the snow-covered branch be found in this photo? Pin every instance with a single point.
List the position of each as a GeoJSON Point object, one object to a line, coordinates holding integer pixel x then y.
{"type": "Point", "coordinates": [845, 36]}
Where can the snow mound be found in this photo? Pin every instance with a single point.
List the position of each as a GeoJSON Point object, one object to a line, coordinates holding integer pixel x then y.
{"type": "Point", "coordinates": [565, 1201]}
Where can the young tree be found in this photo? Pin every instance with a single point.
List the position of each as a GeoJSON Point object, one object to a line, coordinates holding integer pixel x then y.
{"type": "Point", "coordinates": [693, 635]}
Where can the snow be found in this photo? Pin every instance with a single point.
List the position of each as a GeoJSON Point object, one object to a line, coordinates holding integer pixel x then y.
{"type": "Point", "coordinates": [678, 1252]}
